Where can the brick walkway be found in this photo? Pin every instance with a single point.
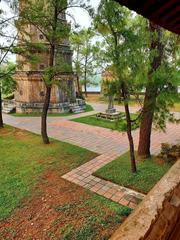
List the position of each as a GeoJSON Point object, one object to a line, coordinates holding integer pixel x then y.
{"type": "Point", "coordinates": [107, 143]}
{"type": "Point", "coordinates": [83, 177]}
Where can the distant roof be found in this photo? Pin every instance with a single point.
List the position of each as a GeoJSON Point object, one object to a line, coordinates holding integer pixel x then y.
{"type": "Point", "coordinates": [165, 13]}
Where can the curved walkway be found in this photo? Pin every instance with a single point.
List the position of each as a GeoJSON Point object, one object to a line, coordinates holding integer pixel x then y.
{"type": "Point", "coordinates": [107, 143]}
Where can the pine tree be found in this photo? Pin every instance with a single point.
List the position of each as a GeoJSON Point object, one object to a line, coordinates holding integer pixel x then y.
{"type": "Point", "coordinates": [161, 85]}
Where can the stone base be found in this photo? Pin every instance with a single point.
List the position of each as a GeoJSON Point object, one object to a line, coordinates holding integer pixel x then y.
{"type": "Point", "coordinates": [37, 107]}
{"type": "Point", "coordinates": [111, 110]}
{"type": "Point", "coordinates": [53, 107]}
{"type": "Point", "coordinates": [109, 116]}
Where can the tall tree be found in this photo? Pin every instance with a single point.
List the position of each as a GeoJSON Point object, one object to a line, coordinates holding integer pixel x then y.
{"type": "Point", "coordinates": [87, 56]}
{"type": "Point", "coordinates": [48, 18]}
{"type": "Point", "coordinates": [7, 43]}
{"type": "Point", "coordinates": [7, 84]}
{"type": "Point", "coordinates": [114, 23]}
{"type": "Point", "coordinates": [160, 87]}
{"type": "Point", "coordinates": [151, 93]}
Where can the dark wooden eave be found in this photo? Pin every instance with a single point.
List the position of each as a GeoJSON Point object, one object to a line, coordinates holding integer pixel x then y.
{"type": "Point", "coordinates": [165, 13]}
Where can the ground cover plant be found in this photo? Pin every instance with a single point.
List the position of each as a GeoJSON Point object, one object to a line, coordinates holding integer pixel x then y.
{"type": "Point", "coordinates": [36, 201]}
{"type": "Point", "coordinates": [119, 125]}
{"type": "Point", "coordinates": [149, 173]}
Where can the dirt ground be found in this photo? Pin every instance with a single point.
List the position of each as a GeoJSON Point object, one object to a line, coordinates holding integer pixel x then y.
{"type": "Point", "coordinates": [55, 210]}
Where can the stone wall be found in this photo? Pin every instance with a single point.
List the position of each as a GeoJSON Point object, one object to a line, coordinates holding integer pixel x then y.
{"type": "Point", "coordinates": [158, 215]}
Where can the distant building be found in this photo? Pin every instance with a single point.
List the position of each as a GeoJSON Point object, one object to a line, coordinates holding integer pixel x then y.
{"type": "Point", "coordinates": [107, 76]}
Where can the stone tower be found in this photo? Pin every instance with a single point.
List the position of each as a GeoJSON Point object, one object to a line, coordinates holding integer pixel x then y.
{"type": "Point", "coordinates": [30, 92]}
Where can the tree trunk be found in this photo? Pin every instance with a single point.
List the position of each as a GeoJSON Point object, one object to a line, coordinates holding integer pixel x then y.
{"type": "Point", "coordinates": [79, 87]}
{"type": "Point", "coordinates": [47, 101]}
{"type": "Point", "coordinates": [1, 118]}
{"type": "Point", "coordinates": [85, 84]}
{"type": "Point", "coordinates": [44, 115]}
{"type": "Point", "coordinates": [85, 89]}
{"type": "Point", "coordinates": [85, 77]}
{"type": "Point", "coordinates": [129, 129]}
{"type": "Point", "coordinates": [78, 74]}
{"type": "Point", "coordinates": [146, 122]}
{"type": "Point", "coordinates": [151, 94]}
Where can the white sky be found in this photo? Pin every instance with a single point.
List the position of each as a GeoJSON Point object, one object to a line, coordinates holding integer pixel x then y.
{"type": "Point", "coordinates": [81, 16]}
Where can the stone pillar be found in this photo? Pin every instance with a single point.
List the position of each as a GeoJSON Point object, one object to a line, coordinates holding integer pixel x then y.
{"type": "Point", "coordinates": [111, 108]}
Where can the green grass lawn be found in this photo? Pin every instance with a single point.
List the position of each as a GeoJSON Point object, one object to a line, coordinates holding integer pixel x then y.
{"type": "Point", "coordinates": [119, 125]}
{"type": "Point", "coordinates": [118, 171]}
{"type": "Point", "coordinates": [23, 157]}
{"type": "Point", "coordinates": [30, 172]}
{"type": "Point", "coordinates": [88, 108]}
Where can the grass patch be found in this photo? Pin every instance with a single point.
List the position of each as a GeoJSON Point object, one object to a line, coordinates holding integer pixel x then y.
{"type": "Point", "coordinates": [119, 125]}
{"type": "Point", "coordinates": [23, 158]}
{"type": "Point", "coordinates": [32, 170]}
{"type": "Point", "coordinates": [88, 108]}
{"type": "Point", "coordinates": [94, 223]}
{"type": "Point", "coordinates": [118, 171]}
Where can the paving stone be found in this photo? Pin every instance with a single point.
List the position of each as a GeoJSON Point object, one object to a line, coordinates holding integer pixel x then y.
{"type": "Point", "coordinates": [108, 195]}
{"type": "Point", "coordinates": [112, 190]}
{"type": "Point", "coordinates": [86, 174]}
{"type": "Point", "coordinates": [106, 188]}
{"type": "Point", "coordinates": [82, 183]}
{"type": "Point", "coordinates": [124, 202]}
{"type": "Point", "coordinates": [128, 197]}
{"type": "Point", "coordinates": [76, 181]}
{"type": "Point", "coordinates": [80, 177]}
{"type": "Point", "coordinates": [132, 205]}
{"type": "Point", "coordinates": [97, 179]}
{"type": "Point", "coordinates": [86, 180]}
{"type": "Point", "coordinates": [124, 190]}
{"type": "Point", "coordinates": [119, 194]}
{"type": "Point", "coordinates": [101, 191]}
{"type": "Point", "coordinates": [92, 182]}
{"type": "Point", "coordinates": [103, 182]}
{"type": "Point", "coordinates": [87, 185]}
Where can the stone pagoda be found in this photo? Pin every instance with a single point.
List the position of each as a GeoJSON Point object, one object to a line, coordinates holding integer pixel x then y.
{"type": "Point", "coordinates": [30, 92]}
